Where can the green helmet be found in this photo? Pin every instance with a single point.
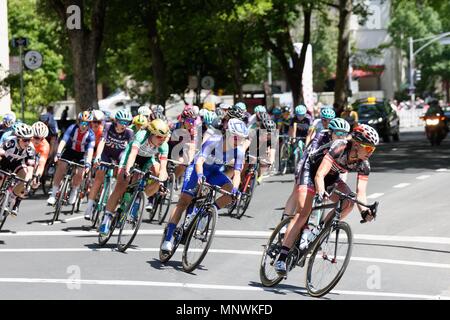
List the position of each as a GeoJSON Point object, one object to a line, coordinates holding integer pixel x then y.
{"type": "Point", "coordinates": [327, 112]}
{"type": "Point", "coordinates": [209, 117]}
{"type": "Point", "coordinates": [260, 109]}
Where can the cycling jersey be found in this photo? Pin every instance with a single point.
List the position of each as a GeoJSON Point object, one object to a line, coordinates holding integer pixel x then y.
{"type": "Point", "coordinates": [284, 123]}
{"type": "Point", "coordinates": [79, 141]}
{"type": "Point", "coordinates": [302, 125]}
{"type": "Point", "coordinates": [337, 153]}
{"type": "Point", "coordinates": [98, 134]}
{"type": "Point", "coordinates": [146, 151]}
{"type": "Point", "coordinates": [42, 149]}
{"type": "Point", "coordinates": [15, 157]}
{"type": "Point", "coordinates": [213, 167]}
{"type": "Point", "coordinates": [115, 143]}
{"type": "Point", "coordinates": [318, 125]}
{"type": "Point", "coordinates": [6, 135]}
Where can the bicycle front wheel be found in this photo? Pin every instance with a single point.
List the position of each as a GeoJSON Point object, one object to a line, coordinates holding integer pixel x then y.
{"type": "Point", "coordinates": [267, 274]}
{"type": "Point", "coordinates": [166, 201]}
{"type": "Point", "coordinates": [244, 202]}
{"type": "Point", "coordinates": [3, 212]}
{"type": "Point", "coordinates": [284, 159]}
{"type": "Point", "coordinates": [130, 223]}
{"type": "Point", "coordinates": [60, 200]}
{"type": "Point", "coordinates": [199, 238]}
{"type": "Point", "coordinates": [329, 259]}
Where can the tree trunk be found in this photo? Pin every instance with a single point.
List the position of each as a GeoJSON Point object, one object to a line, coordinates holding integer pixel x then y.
{"type": "Point", "coordinates": [343, 55]}
{"type": "Point", "coordinates": [158, 63]}
{"type": "Point", "coordinates": [85, 46]}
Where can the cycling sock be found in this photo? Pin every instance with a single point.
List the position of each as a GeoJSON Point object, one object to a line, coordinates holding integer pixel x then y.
{"type": "Point", "coordinates": [54, 191]}
{"type": "Point", "coordinates": [108, 213]}
{"type": "Point", "coordinates": [170, 229]}
{"type": "Point", "coordinates": [17, 203]}
{"type": "Point", "coordinates": [90, 204]}
{"type": "Point", "coordinates": [283, 253]}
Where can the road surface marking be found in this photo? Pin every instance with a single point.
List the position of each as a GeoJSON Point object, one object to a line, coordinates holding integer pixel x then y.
{"type": "Point", "coordinates": [423, 177]}
{"type": "Point", "coordinates": [223, 251]}
{"type": "Point", "coordinates": [229, 233]}
{"type": "Point", "coordinates": [64, 220]}
{"type": "Point", "coordinates": [213, 287]}
{"type": "Point", "coordinates": [375, 195]}
{"type": "Point", "coordinates": [402, 185]}
{"type": "Point", "coordinates": [442, 170]}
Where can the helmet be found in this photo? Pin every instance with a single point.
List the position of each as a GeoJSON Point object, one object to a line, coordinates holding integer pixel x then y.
{"type": "Point", "coordinates": [98, 115]}
{"type": "Point", "coordinates": [202, 112]}
{"type": "Point", "coordinates": [123, 115]}
{"type": "Point", "coordinates": [262, 116]}
{"type": "Point", "coordinates": [221, 112]}
{"type": "Point", "coordinates": [85, 116]}
{"type": "Point", "coordinates": [235, 112]}
{"type": "Point", "coordinates": [285, 109]}
{"type": "Point", "coordinates": [260, 109]}
{"type": "Point", "coordinates": [40, 129]}
{"type": "Point", "coordinates": [9, 119]}
{"type": "Point", "coordinates": [238, 128]}
{"type": "Point", "coordinates": [224, 106]}
{"type": "Point", "coordinates": [339, 124]}
{"type": "Point", "coordinates": [366, 134]}
{"type": "Point", "coordinates": [159, 127]}
{"type": "Point", "coordinates": [209, 117]}
{"type": "Point", "coordinates": [210, 106]}
{"type": "Point", "coordinates": [300, 110]}
{"type": "Point", "coordinates": [23, 130]}
{"type": "Point", "coordinates": [276, 111]}
{"type": "Point", "coordinates": [144, 110]}
{"type": "Point", "coordinates": [158, 108]}
{"type": "Point", "coordinates": [190, 111]}
{"type": "Point", "coordinates": [158, 115]}
{"type": "Point", "coordinates": [327, 112]}
{"type": "Point", "coordinates": [140, 120]}
{"type": "Point", "coordinates": [241, 105]}
{"type": "Point", "coordinates": [268, 124]}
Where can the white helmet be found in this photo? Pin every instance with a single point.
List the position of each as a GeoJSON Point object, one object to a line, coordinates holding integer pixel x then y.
{"type": "Point", "coordinates": [40, 129]}
{"type": "Point", "coordinates": [237, 127]}
{"type": "Point", "coordinates": [98, 115]}
{"type": "Point", "coordinates": [22, 130]}
{"type": "Point", "coordinates": [144, 110]}
{"type": "Point", "coordinates": [9, 119]}
{"type": "Point", "coordinates": [158, 108]}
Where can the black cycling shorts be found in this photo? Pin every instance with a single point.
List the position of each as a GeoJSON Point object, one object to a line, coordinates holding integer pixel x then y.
{"type": "Point", "coordinates": [12, 166]}
{"type": "Point", "coordinates": [73, 156]}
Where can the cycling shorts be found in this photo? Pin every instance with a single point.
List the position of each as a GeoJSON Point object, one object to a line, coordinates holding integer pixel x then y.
{"type": "Point", "coordinates": [144, 163]}
{"type": "Point", "coordinates": [12, 166]}
{"type": "Point", "coordinates": [73, 156]}
{"type": "Point", "coordinates": [213, 174]}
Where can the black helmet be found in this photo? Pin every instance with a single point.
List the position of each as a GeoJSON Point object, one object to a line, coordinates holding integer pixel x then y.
{"type": "Point", "coordinates": [268, 124]}
{"type": "Point", "coordinates": [235, 112]}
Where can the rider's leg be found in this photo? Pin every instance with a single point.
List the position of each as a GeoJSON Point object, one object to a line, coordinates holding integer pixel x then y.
{"type": "Point", "coordinates": [116, 195]}
{"type": "Point", "coordinates": [96, 185]}
{"type": "Point", "coordinates": [291, 204]}
{"type": "Point", "coordinates": [153, 186]}
{"type": "Point", "coordinates": [347, 205]}
{"type": "Point", "coordinates": [61, 168]}
{"type": "Point", "coordinates": [17, 194]}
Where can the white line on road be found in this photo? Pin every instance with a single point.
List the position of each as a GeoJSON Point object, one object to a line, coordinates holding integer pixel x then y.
{"type": "Point", "coordinates": [442, 170]}
{"type": "Point", "coordinates": [213, 287]}
{"type": "Point", "coordinates": [423, 177]}
{"type": "Point", "coordinates": [223, 251]}
{"type": "Point", "coordinates": [402, 185]}
{"type": "Point", "coordinates": [64, 221]}
{"type": "Point", "coordinates": [230, 233]}
{"type": "Point", "coordinates": [375, 195]}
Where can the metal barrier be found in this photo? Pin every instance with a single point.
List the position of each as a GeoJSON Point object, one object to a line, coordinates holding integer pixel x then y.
{"type": "Point", "coordinates": [410, 118]}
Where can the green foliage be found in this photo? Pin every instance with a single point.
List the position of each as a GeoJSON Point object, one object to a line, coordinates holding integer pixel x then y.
{"type": "Point", "coordinates": [42, 86]}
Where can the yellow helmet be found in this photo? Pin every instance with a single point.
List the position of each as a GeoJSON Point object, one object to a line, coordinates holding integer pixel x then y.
{"type": "Point", "coordinates": [210, 106]}
{"type": "Point", "coordinates": [140, 120]}
{"type": "Point", "coordinates": [159, 127]}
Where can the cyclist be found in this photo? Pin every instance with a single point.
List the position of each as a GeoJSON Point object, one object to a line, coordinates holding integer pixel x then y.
{"type": "Point", "coordinates": [141, 153]}
{"type": "Point", "coordinates": [40, 132]}
{"type": "Point", "coordinates": [284, 121]}
{"type": "Point", "coordinates": [97, 126]}
{"type": "Point", "coordinates": [326, 115]}
{"type": "Point", "coordinates": [208, 166]}
{"type": "Point", "coordinates": [337, 129]}
{"type": "Point", "coordinates": [52, 137]}
{"type": "Point", "coordinates": [78, 144]}
{"type": "Point", "coordinates": [260, 111]}
{"type": "Point", "coordinates": [10, 133]}
{"type": "Point", "coordinates": [350, 116]}
{"type": "Point", "coordinates": [116, 136]}
{"type": "Point", "coordinates": [321, 170]}
{"type": "Point", "coordinates": [8, 120]}
{"type": "Point", "coordinates": [210, 106]}
{"type": "Point", "coordinates": [139, 122]}
{"type": "Point", "coordinates": [18, 156]}
{"type": "Point", "coordinates": [145, 111]}
{"type": "Point", "coordinates": [300, 123]}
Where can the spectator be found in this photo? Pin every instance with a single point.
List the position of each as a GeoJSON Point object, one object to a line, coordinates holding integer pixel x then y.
{"type": "Point", "coordinates": [63, 120]}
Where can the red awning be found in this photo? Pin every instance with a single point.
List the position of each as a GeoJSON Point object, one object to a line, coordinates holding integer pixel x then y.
{"type": "Point", "coordinates": [367, 71]}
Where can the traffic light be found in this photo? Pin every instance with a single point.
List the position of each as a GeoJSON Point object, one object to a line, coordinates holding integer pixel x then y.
{"type": "Point", "coordinates": [418, 75]}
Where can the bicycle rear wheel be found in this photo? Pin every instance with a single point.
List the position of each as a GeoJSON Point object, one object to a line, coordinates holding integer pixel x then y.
{"type": "Point", "coordinates": [199, 238]}
{"type": "Point", "coordinates": [267, 274]}
{"type": "Point", "coordinates": [103, 239]}
{"type": "Point", "coordinates": [245, 199]}
{"type": "Point", "coordinates": [60, 200]}
{"type": "Point", "coordinates": [130, 225]}
{"type": "Point", "coordinates": [284, 158]}
{"type": "Point", "coordinates": [3, 212]}
{"type": "Point", "coordinates": [177, 234]}
{"type": "Point", "coordinates": [326, 269]}
{"type": "Point", "coordinates": [166, 201]}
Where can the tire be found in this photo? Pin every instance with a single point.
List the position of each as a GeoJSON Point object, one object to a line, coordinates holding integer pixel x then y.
{"type": "Point", "coordinates": [324, 243]}
{"type": "Point", "coordinates": [396, 137]}
{"type": "Point", "coordinates": [60, 200]}
{"type": "Point", "coordinates": [166, 201]}
{"type": "Point", "coordinates": [76, 205]}
{"type": "Point", "coordinates": [3, 213]}
{"type": "Point", "coordinates": [165, 257]}
{"type": "Point", "coordinates": [244, 201]}
{"type": "Point", "coordinates": [190, 264]}
{"type": "Point", "coordinates": [284, 159]}
{"type": "Point", "coordinates": [156, 204]}
{"type": "Point", "coordinates": [47, 181]}
{"type": "Point", "coordinates": [123, 242]}
{"type": "Point", "coordinates": [271, 251]}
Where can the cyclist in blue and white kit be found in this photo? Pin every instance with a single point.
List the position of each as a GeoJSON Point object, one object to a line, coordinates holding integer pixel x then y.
{"type": "Point", "coordinates": [78, 144]}
{"type": "Point", "coordinates": [208, 165]}
{"type": "Point", "coordinates": [326, 115]}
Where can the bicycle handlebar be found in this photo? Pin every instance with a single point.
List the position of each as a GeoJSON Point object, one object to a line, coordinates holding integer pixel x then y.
{"type": "Point", "coordinates": [217, 188]}
{"type": "Point", "coordinates": [352, 197]}
{"type": "Point", "coordinates": [13, 176]}
{"type": "Point", "coordinates": [108, 165]}
{"type": "Point", "coordinates": [71, 163]}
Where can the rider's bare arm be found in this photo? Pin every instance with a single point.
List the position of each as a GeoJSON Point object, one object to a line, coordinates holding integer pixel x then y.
{"type": "Point", "coordinates": [361, 188]}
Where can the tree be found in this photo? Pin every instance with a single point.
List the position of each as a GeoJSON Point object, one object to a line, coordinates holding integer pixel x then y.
{"type": "Point", "coordinates": [85, 35]}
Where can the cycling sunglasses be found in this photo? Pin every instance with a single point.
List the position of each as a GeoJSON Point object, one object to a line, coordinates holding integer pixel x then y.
{"type": "Point", "coordinates": [84, 123]}
{"type": "Point", "coordinates": [25, 139]}
{"type": "Point", "coordinates": [367, 147]}
{"type": "Point", "coordinates": [96, 122]}
{"type": "Point", "coordinates": [340, 133]}
{"type": "Point", "coordinates": [124, 122]}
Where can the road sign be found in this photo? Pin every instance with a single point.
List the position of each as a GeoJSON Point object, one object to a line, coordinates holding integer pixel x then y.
{"type": "Point", "coordinates": [17, 42]}
{"type": "Point", "coordinates": [207, 83]}
{"type": "Point", "coordinates": [14, 65]}
{"type": "Point", "coordinates": [33, 60]}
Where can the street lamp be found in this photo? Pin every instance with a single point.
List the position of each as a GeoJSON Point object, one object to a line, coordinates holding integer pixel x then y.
{"type": "Point", "coordinates": [412, 54]}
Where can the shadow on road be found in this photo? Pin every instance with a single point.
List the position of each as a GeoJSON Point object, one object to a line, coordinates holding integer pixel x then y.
{"type": "Point", "coordinates": [94, 246]}
{"type": "Point", "coordinates": [155, 263]}
{"type": "Point", "coordinates": [2, 242]}
{"type": "Point", "coordinates": [401, 247]}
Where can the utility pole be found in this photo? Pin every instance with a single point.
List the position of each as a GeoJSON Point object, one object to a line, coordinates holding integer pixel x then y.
{"type": "Point", "coordinates": [411, 71]}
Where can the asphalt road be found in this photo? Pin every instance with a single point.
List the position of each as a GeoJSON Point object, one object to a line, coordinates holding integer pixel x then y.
{"type": "Point", "coordinates": [404, 254]}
